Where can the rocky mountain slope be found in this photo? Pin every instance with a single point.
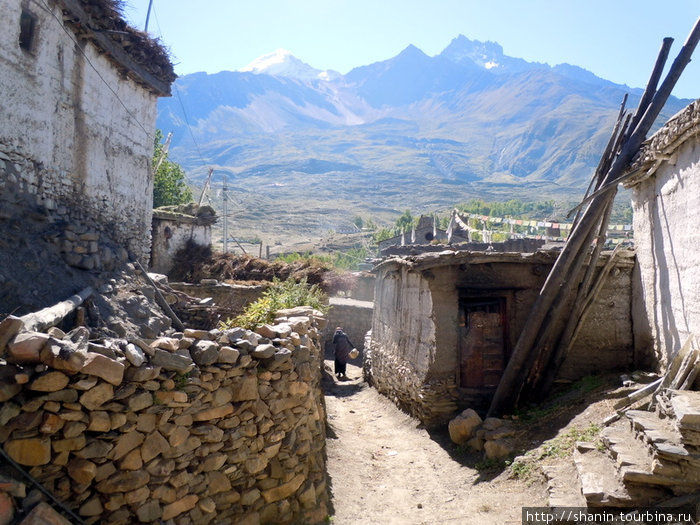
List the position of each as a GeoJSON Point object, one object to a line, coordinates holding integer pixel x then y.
{"type": "Point", "coordinates": [413, 131]}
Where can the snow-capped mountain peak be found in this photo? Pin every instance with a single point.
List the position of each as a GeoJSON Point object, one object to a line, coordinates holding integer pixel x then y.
{"type": "Point", "coordinates": [283, 63]}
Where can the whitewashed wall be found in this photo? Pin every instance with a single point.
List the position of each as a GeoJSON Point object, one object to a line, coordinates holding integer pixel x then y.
{"type": "Point", "coordinates": [67, 141]}
{"type": "Point", "coordinates": [667, 238]}
{"type": "Point", "coordinates": [166, 246]}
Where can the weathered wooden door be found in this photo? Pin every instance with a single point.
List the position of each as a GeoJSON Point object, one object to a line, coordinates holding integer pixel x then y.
{"type": "Point", "coordinates": [482, 344]}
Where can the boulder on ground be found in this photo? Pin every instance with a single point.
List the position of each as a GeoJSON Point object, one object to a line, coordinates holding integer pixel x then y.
{"type": "Point", "coordinates": [462, 427]}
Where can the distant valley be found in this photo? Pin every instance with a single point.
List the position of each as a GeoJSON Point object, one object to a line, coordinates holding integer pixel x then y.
{"type": "Point", "coordinates": [304, 151]}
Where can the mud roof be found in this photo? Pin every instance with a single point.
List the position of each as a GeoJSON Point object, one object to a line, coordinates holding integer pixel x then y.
{"type": "Point", "coordinates": [662, 146]}
{"type": "Point", "coordinates": [138, 56]}
{"type": "Point", "coordinates": [451, 257]}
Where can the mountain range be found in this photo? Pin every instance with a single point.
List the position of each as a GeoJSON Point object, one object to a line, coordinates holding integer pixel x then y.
{"type": "Point", "coordinates": [306, 150]}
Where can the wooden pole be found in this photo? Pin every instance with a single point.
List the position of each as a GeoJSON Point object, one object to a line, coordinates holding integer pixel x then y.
{"type": "Point", "coordinates": [520, 363]}
{"type": "Point", "coordinates": [52, 315]}
{"type": "Point", "coordinates": [161, 300]}
{"type": "Point", "coordinates": [580, 312]}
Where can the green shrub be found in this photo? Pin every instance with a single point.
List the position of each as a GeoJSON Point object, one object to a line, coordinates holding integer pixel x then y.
{"type": "Point", "coordinates": [281, 294]}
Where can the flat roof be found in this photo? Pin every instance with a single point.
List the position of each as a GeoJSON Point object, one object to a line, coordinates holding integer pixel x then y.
{"type": "Point", "coordinates": [625, 258]}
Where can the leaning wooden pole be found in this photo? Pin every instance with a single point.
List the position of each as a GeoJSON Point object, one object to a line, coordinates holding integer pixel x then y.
{"type": "Point", "coordinates": [53, 315]}
{"type": "Point", "coordinates": [560, 276]}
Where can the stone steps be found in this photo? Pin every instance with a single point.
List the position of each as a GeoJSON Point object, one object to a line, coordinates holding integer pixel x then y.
{"type": "Point", "coordinates": [674, 463]}
{"type": "Point", "coordinates": [600, 482]}
{"type": "Point", "coordinates": [626, 451]}
{"type": "Point", "coordinates": [560, 479]}
{"type": "Point", "coordinates": [647, 458]}
{"type": "Point", "coordinates": [686, 409]}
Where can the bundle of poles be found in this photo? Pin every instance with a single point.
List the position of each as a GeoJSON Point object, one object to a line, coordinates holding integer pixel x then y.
{"type": "Point", "coordinates": [573, 282]}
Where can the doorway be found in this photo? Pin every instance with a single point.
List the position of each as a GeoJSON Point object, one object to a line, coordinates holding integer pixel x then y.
{"type": "Point", "coordinates": [482, 343]}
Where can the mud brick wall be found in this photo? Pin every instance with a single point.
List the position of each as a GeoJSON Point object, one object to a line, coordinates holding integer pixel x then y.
{"type": "Point", "coordinates": [70, 149]}
{"type": "Point", "coordinates": [203, 426]}
{"type": "Point", "coordinates": [355, 317]}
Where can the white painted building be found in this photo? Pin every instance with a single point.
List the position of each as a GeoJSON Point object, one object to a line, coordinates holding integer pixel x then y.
{"type": "Point", "coordinates": [666, 202]}
{"type": "Point", "coordinates": [79, 91]}
{"type": "Point", "coordinates": [174, 228]}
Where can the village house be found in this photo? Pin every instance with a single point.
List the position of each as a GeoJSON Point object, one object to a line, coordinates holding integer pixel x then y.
{"type": "Point", "coordinates": [445, 323]}
{"type": "Point", "coordinates": [665, 181]}
{"type": "Point", "coordinates": [174, 228]}
{"type": "Point", "coordinates": [79, 91]}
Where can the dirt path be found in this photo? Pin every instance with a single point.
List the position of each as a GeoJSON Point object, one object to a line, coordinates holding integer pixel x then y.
{"type": "Point", "coordinates": [384, 469]}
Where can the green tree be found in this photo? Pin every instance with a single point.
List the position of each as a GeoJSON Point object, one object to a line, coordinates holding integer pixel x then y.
{"type": "Point", "coordinates": [382, 235]}
{"type": "Point", "coordinates": [405, 222]}
{"type": "Point", "coordinates": [169, 186]}
{"type": "Point", "coordinates": [358, 222]}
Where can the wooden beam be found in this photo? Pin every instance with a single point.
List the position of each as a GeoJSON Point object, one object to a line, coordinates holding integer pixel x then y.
{"type": "Point", "coordinates": [544, 321]}
{"type": "Point", "coordinates": [52, 315]}
{"type": "Point", "coordinates": [160, 299]}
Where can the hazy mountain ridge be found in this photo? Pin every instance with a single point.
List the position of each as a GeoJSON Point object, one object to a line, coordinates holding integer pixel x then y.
{"type": "Point", "coordinates": [412, 131]}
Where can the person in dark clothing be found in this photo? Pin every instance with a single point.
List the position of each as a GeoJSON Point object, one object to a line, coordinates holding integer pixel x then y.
{"type": "Point", "coordinates": [342, 347]}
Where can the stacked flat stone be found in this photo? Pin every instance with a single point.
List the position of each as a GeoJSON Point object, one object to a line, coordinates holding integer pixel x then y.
{"type": "Point", "coordinates": [198, 427]}
{"type": "Point", "coordinates": [431, 400]}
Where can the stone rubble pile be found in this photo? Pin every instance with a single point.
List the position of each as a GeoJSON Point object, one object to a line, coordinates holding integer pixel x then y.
{"type": "Point", "coordinates": [493, 436]}
{"type": "Point", "coordinates": [199, 426]}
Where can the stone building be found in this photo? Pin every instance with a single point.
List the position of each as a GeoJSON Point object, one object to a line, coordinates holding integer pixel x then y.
{"type": "Point", "coordinates": [665, 181]}
{"type": "Point", "coordinates": [445, 323]}
{"type": "Point", "coordinates": [176, 226]}
{"type": "Point", "coordinates": [79, 90]}
{"type": "Point", "coordinates": [424, 233]}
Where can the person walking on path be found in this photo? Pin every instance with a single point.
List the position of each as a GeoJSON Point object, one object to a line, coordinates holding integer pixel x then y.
{"type": "Point", "coordinates": [342, 347]}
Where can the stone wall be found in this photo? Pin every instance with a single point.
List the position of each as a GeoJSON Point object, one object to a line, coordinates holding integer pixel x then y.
{"type": "Point", "coordinates": [229, 298]}
{"type": "Point", "coordinates": [364, 287]}
{"type": "Point", "coordinates": [355, 317]}
{"type": "Point", "coordinates": [415, 344]}
{"type": "Point", "coordinates": [69, 148]}
{"type": "Point", "coordinates": [199, 427]}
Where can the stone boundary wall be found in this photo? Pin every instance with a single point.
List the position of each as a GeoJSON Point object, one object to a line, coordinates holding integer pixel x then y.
{"type": "Point", "coordinates": [203, 426]}
{"type": "Point", "coordinates": [231, 298]}
{"type": "Point", "coordinates": [355, 317]}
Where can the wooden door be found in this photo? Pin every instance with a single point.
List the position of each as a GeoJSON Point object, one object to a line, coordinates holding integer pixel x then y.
{"type": "Point", "coordinates": [482, 348]}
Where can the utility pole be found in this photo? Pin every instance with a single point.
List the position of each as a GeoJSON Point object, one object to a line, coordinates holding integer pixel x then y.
{"type": "Point", "coordinates": [148, 15]}
{"type": "Point", "coordinates": [206, 185]}
{"type": "Point", "coordinates": [163, 153]}
{"type": "Point", "coordinates": [225, 216]}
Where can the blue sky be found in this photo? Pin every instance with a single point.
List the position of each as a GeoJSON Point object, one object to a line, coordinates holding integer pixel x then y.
{"type": "Point", "coordinates": [615, 39]}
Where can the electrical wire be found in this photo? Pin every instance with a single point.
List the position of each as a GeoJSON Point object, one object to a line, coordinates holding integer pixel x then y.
{"type": "Point", "coordinates": [179, 98]}
{"type": "Point", "coordinates": [82, 52]}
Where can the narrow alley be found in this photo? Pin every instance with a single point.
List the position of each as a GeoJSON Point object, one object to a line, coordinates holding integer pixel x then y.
{"type": "Point", "coordinates": [384, 469]}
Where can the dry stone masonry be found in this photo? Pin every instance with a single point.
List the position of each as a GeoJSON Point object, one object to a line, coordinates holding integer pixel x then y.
{"type": "Point", "coordinates": [198, 427]}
